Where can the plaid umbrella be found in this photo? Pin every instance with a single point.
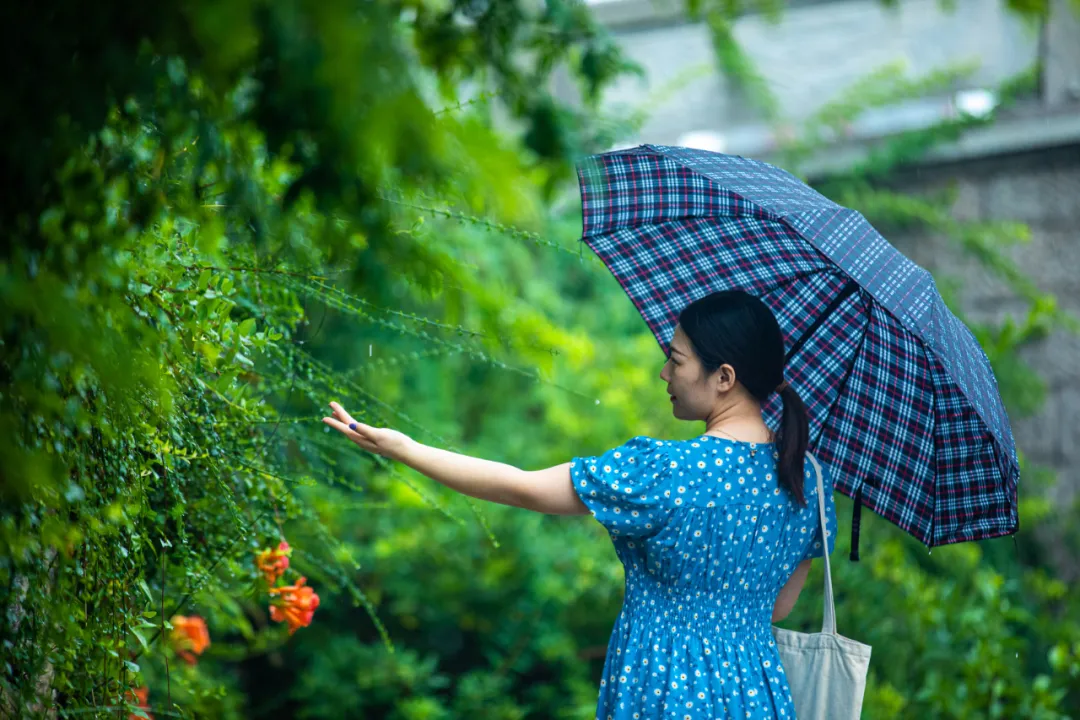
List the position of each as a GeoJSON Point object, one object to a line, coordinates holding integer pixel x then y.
{"type": "Point", "coordinates": [903, 404]}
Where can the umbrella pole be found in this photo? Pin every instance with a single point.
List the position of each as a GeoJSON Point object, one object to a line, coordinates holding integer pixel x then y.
{"type": "Point", "coordinates": [856, 521]}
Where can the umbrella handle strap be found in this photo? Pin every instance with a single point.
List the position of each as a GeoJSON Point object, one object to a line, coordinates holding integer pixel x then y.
{"type": "Point", "coordinates": [856, 522]}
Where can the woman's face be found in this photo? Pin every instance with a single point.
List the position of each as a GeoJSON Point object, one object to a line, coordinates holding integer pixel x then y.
{"type": "Point", "coordinates": [692, 395]}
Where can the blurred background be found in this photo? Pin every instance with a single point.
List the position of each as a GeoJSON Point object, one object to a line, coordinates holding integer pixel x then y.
{"type": "Point", "coordinates": [223, 215]}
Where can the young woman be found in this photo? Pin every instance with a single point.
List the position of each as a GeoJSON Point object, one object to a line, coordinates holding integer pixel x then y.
{"type": "Point", "coordinates": [716, 533]}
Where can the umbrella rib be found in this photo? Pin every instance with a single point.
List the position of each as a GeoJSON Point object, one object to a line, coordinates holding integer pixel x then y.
{"type": "Point", "coordinates": [847, 376]}
{"type": "Point", "coordinates": [801, 277]}
{"type": "Point", "coordinates": [933, 417]}
{"type": "Point", "coordinates": [844, 294]}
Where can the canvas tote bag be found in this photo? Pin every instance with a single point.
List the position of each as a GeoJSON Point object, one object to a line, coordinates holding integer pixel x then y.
{"type": "Point", "coordinates": [826, 671]}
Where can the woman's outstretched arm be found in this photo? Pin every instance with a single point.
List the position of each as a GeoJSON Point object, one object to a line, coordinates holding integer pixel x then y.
{"type": "Point", "coordinates": [546, 491]}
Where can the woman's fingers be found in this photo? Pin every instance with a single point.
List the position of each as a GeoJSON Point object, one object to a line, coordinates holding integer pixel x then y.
{"type": "Point", "coordinates": [358, 432]}
{"type": "Point", "coordinates": [346, 419]}
{"type": "Point", "coordinates": [381, 441]}
{"type": "Point", "coordinates": [341, 414]}
{"type": "Point", "coordinates": [355, 435]}
{"type": "Point", "coordinates": [341, 427]}
{"type": "Point", "coordinates": [337, 425]}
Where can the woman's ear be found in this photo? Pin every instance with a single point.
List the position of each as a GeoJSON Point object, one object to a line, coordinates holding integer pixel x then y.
{"type": "Point", "coordinates": [725, 378]}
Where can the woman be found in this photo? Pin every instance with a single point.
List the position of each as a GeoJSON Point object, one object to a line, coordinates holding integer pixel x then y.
{"type": "Point", "coordinates": [716, 533]}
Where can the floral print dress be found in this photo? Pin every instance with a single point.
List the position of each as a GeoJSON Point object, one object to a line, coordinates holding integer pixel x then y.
{"type": "Point", "coordinates": [707, 538]}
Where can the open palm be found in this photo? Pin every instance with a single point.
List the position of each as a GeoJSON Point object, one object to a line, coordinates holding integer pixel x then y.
{"type": "Point", "coordinates": [381, 441]}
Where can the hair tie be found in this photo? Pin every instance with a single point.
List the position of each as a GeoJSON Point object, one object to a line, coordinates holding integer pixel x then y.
{"type": "Point", "coordinates": [782, 387]}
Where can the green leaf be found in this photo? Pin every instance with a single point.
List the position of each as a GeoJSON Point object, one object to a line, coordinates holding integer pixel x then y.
{"type": "Point", "coordinates": [229, 355]}
{"type": "Point", "coordinates": [204, 280]}
{"type": "Point", "coordinates": [246, 327]}
{"type": "Point", "coordinates": [146, 589]}
{"type": "Point", "coordinates": [226, 380]}
{"type": "Point", "coordinates": [210, 352]}
{"type": "Point", "coordinates": [142, 640]}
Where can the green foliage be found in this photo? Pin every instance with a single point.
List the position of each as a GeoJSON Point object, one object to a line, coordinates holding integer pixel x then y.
{"type": "Point", "coordinates": [232, 213]}
{"type": "Point", "coordinates": [204, 172]}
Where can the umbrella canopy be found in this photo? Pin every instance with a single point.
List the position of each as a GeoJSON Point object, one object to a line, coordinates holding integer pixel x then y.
{"type": "Point", "coordinates": [903, 404]}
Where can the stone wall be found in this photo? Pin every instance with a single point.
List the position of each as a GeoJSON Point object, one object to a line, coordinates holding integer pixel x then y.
{"type": "Point", "coordinates": [1041, 189]}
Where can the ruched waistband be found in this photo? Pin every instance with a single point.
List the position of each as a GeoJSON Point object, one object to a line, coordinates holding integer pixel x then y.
{"type": "Point", "coordinates": [728, 614]}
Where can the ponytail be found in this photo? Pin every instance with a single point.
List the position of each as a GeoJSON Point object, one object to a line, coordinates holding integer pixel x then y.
{"type": "Point", "coordinates": [794, 437]}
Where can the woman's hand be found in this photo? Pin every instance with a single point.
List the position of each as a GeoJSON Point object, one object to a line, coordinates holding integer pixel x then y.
{"type": "Point", "coordinates": [381, 441]}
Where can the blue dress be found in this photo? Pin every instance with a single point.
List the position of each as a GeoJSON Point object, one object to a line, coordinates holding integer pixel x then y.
{"type": "Point", "coordinates": [707, 539]}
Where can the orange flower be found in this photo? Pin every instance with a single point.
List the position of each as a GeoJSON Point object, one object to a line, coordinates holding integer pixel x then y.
{"type": "Point", "coordinates": [273, 563]}
{"type": "Point", "coordinates": [296, 605]}
{"type": "Point", "coordinates": [189, 636]}
{"type": "Point", "coordinates": [139, 696]}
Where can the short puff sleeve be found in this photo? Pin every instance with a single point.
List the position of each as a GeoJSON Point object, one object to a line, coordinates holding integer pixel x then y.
{"type": "Point", "coordinates": [814, 549]}
{"type": "Point", "coordinates": [624, 487]}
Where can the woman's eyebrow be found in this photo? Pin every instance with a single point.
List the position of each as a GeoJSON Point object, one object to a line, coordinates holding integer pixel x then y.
{"type": "Point", "coordinates": [677, 350]}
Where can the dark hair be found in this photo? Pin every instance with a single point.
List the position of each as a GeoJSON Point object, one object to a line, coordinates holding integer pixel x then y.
{"type": "Point", "coordinates": [735, 328]}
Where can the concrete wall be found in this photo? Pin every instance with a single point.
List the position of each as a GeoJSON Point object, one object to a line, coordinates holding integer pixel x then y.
{"type": "Point", "coordinates": [808, 57]}
{"type": "Point", "coordinates": [1041, 189]}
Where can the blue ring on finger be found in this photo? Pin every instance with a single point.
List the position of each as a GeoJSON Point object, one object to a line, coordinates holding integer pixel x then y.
{"type": "Point", "coordinates": [352, 426]}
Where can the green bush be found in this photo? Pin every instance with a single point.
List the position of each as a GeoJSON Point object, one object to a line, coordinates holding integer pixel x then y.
{"type": "Point", "coordinates": [232, 213]}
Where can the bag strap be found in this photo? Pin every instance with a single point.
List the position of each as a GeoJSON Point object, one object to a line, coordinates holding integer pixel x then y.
{"type": "Point", "coordinates": [828, 623]}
